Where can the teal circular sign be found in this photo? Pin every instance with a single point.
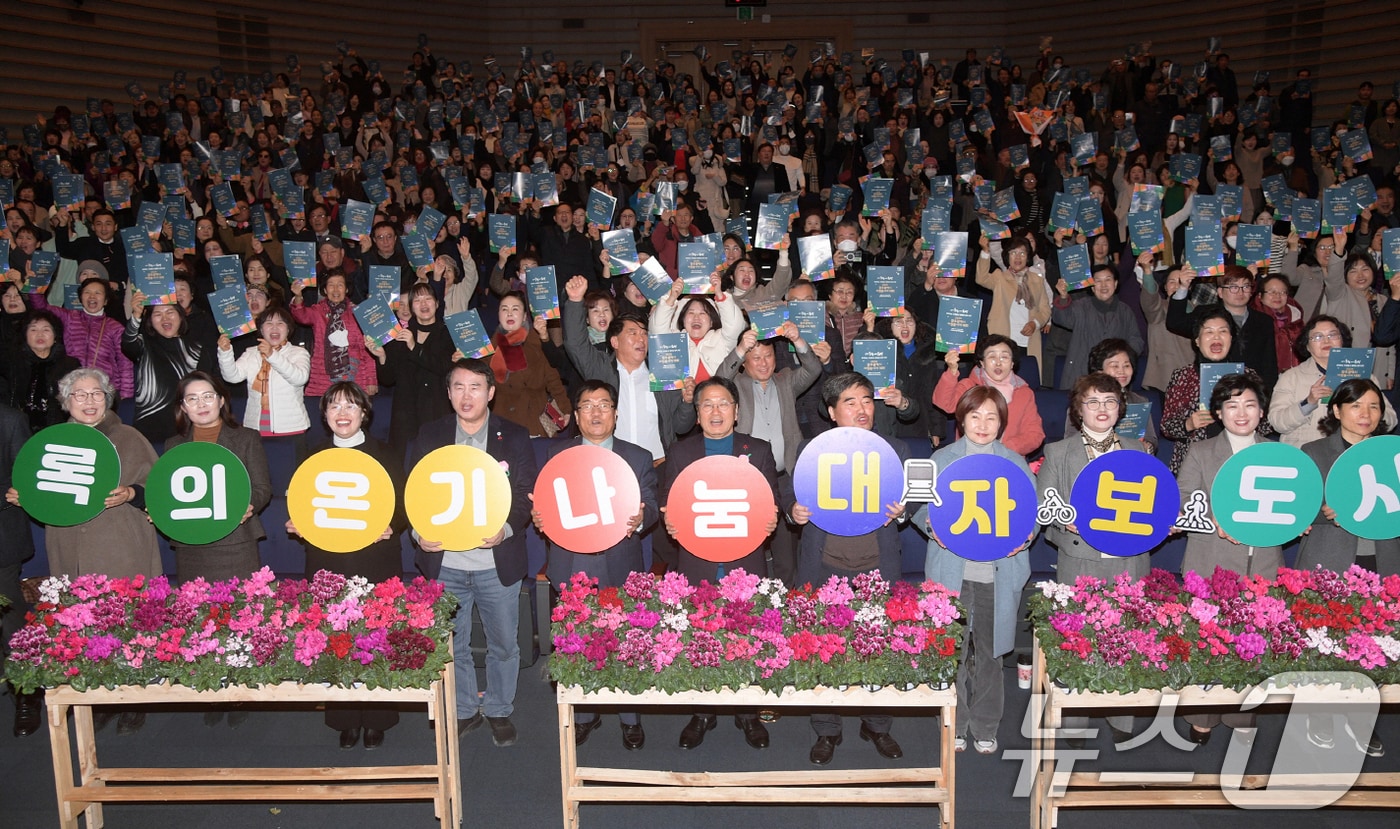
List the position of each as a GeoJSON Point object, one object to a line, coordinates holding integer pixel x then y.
{"type": "Point", "coordinates": [1266, 495]}
{"type": "Point", "coordinates": [197, 493]}
{"type": "Point", "coordinates": [1364, 488]}
{"type": "Point", "coordinates": [64, 474]}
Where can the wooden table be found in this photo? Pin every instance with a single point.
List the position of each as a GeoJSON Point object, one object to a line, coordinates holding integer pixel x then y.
{"type": "Point", "coordinates": [882, 785]}
{"type": "Point", "coordinates": [1053, 790]}
{"type": "Point", "coordinates": [438, 782]}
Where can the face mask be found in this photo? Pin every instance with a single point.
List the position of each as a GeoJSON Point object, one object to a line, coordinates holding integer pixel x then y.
{"type": "Point", "coordinates": [682, 186]}
{"type": "Point", "coordinates": [1286, 161]}
{"type": "Point", "coordinates": [783, 149]}
{"type": "Point", "coordinates": [709, 154]}
{"type": "Point", "coordinates": [539, 158]}
{"type": "Point", "coordinates": [1230, 240]}
{"type": "Point", "coordinates": [846, 246]}
{"type": "Point", "coordinates": [1341, 131]}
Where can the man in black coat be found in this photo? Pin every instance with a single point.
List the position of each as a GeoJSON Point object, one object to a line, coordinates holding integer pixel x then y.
{"type": "Point", "coordinates": [1252, 332]}
{"type": "Point", "coordinates": [16, 547]}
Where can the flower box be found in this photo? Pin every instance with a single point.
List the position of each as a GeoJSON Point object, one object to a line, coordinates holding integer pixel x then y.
{"type": "Point", "coordinates": [665, 634]}
{"type": "Point", "coordinates": [1223, 629]}
{"type": "Point", "coordinates": [98, 632]}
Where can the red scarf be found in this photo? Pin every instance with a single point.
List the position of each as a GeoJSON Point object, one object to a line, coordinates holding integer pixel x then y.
{"type": "Point", "coordinates": [510, 353]}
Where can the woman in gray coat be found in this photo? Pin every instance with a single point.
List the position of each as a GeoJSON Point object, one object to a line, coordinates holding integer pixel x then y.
{"type": "Point", "coordinates": [990, 591]}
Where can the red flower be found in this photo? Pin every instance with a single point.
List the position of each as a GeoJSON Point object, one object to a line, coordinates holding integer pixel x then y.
{"type": "Point", "coordinates": [341, 644]}
{"type": "Point", "coordinates": [946, 645]}
{"type": "Point", "coordinates": [607, 597]}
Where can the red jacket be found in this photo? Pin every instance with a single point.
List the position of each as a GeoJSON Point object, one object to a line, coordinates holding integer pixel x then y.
{"type": "Point", "coordinates": [362, 363]}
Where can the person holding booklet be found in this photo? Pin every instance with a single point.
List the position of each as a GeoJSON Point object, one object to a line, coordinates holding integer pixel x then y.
{"type": "Point", "coordinates": [1020, 298]}
{"type": "Point", "coordinates": [158, 342]}
{"type": "Point", "coordinates": [1022, 430]}
{"type": "Point", "coordinates": [339, 346]}
{"type": "Point", "coordinates": [1354, 300]}
{"type": "Point", "coordinates": [528, 388]}
{"type": "Point", "coordinates": [90, 333]}
{"type": "Point", "coordinates": [1274, 299]}
{"type": "Point", "coordinates": [276, 372]}
{"type": "Point", "coordinates": [413, 363]}
{"type": "Point", "coordinates": [1251, 332]}
{"type": "Point", "coordinates": [1092, 319]}
{"type": "Point", "coordinates": [1184, 417]}
{"type": "Point", "coordinates": [1300, 400]}
{"type": "Point", "coordinates": [712, 328]}
{"type": "Point", "coordinates": [917, 370]}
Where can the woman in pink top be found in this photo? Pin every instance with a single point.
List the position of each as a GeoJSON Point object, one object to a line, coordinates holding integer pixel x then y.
{"type": "Point", "coordinates": [996, 367]}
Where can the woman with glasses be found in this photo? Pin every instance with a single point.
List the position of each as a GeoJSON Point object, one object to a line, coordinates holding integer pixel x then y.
{"type": "Point", "coordinates": [1310, 271]}
{"type": "Point", "coordinates": [996, 367]}
{"type": "Point", "coordinates": [1275, 301]}
{"type": "Point", "coordinates": [119, 541]}
{"type": "Point", "coordinates": [1300, 400]}
{"type": "Point", "coordinates": [202, 414]}
{"type": "Point", "coordinates": [348, 412]}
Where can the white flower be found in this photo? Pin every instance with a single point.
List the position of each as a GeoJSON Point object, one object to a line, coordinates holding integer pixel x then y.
{"type": "Point", "coordinates": [357, 587]}
{"type": "Point", "coordinates": [1389, 646]}
{"type": "Point", "coordinates": [1060, 594]}
{"type": "Point", "coordinates": [52, 588]}
{"type": "Point", "coordinates": [1318, 640]}
{"type": "Point", "coordinates": [238, 652]}
{"type": "Point", "coordinates": [676, 621]}
{"type": "Point", "coordinates": [871, 612]}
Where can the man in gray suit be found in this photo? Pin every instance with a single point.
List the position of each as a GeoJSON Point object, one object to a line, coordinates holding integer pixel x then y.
{"type": "Point", "coordinates": [768, 410]}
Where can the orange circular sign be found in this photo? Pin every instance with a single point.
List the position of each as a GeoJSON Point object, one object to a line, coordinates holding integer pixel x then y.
{"type": "Point", "coordinates": [585, 496]}
{"type": "Point", "coordinates": [721, 507]}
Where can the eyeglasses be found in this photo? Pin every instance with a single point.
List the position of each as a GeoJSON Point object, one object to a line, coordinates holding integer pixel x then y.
{"type": "Point", "coordinates": [601, 408]}
{"type": "Point", "coordinates": [196, 399]}
{"type": "Point", "coordinates": [383, 237]}
{"type": "Point", "coordinates": [1094, 404]}
{"type": "Point", "coordinates": [721, 405]}
{"type": "Point", "coordinates": [1237, 289]}
{"type": "Point", "coordinates": [1276, 292]}
{"type": "Point", "coordinates": [1325, 248]}
{"type": "Point", "coordinates": [343, 407]}
{"type": "Point", "coordinates": [1330, 337]}
{"type": "Point", "coordinates": [85, 396]}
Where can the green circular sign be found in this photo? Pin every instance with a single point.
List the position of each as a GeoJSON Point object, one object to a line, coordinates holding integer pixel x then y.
{"type": "Point", "coordinates": [197, 493]}
{"type": "Point", "coordinates": [1266, 495]}
{"type": "Point", "coordinates": [65, 473]}
{"type": "Point", "coordinates": [1364, 488]}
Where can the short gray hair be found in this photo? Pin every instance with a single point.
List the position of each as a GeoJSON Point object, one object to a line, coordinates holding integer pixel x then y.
{"type": "Point", "coordinates": [69, 380]}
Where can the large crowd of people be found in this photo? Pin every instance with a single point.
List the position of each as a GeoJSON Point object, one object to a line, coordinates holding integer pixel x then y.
{"type": "Point", "coordinates": [401, 181]}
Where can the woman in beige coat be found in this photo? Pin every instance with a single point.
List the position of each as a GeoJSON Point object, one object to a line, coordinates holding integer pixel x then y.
{"type": "Point", "coordinates": [1020, 299]}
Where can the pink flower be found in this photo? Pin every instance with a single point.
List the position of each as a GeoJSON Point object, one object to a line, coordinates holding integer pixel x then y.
{"type": "Point", "coordinates": [308, 646]}
{"type": "Point", "coordinates": [836, 591]}
{"type": "Point", "coordinates": [738, 586]}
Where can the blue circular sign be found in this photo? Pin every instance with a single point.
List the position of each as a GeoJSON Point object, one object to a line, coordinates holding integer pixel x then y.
{"type": "Point", "coordinates": [846, 476]}
{"type": "Point", "coordinates": [988, 510]}
{"type": "Point", "coordinates": [1125, 502]}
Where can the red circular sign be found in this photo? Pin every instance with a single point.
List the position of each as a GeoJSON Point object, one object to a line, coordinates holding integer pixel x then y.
{"type": "Point", "coordinates": [585, 496]}
{"type": "Point", "coordinates": [721, 507]}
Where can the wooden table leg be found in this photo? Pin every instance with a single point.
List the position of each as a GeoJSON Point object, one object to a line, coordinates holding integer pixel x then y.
{"type": "Point", "coordinates": [63, 762]}
{"type": "Point", "coordinates": [568, 766]}
{"type": "Point", "coordinates": [87, 759]}
{"type": "Point", "coordinates": [949, 761]}
{"type": "Point", "coordinates": [448, 724]}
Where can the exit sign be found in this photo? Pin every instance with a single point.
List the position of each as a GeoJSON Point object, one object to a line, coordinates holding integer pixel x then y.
{"type": "Point", "coordinates": [745, 13]}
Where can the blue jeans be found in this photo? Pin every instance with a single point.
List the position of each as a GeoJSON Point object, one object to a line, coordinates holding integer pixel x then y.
{"type": "Point", "coordinates": [500, 616]}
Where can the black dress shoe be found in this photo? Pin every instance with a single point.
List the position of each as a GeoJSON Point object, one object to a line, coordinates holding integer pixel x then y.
{"type": "Point", "coordinates": [28, 708]}
{"type": "Point", "coordinates": [884, 743]}
{"type": "Point", "coordinates": [1200, 738]}
{"type": "Point", "coordinates": [755, 734]}
{"type": "Point", "coordinates": [349, 737]}
{"type": "Point", "coordinates": [633, 737]}
{"type": "Point", "coordinates": [471, 723]}
{"type": "Point", "coordinates": [823, 750]}
{"type": "Point", "coordinates": [694, 732]}
{"type": "Point", "coordinates": [583, 729]}
{"type": "Point", "coordinates": [374, 738]}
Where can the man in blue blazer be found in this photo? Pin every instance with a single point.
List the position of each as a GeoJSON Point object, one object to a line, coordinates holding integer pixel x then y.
{"type": "Point", "coordinates": [595, 412]}
{"type": "Point", "coordinates": [489, 576]}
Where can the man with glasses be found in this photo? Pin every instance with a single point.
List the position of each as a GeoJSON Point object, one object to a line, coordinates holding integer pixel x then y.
{"type": "Point", "coordinates": [717, 410]}
{"type": "Point", "coordinates": [1252, 331]}
{"type": "Point", "coordinates": [595, 411]}
{"type": "Point", "coordinates": [382, 248]}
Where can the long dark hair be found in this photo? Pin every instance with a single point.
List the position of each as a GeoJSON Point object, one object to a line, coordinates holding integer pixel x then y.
{"type": "Point", "coordinates": [182, 423]}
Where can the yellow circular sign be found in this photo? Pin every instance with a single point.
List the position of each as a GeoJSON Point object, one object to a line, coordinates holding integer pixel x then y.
{"type": "Point", "coordinates": [458, 496]}
{"type": "Point", "coordinates": [341, 500]}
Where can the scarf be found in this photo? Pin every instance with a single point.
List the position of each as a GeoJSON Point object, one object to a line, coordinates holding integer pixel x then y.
{"type": "Point", "coordinates": [510, 352]}
{"type": "Point", "coordinates": [337, 358]}
{"type": "Point", "coordinates": [1023, 287]}
{"type": "Point", "coordinates": [1099, 446]}
{"type": "Point", "coordinates": [1007, 388]}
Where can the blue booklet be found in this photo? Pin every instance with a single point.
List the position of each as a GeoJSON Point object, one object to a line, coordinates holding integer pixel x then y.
{"type": "Point", "coordinates": [418, 249]}
{"type": "Point", "coordinates": [68, 191]}
{"type": "Point", "coordinates": [875, 359]}
{"type": "Point", "coordinates": [839, 198]}
{"type": "Point", "coordinates": [135, 240]}
{"type": "Point", "coordinates": [601, 208]}
{"type": "Point", "coordinates": [959, 320]}
{"type": "Point", "coordinates": [815, 256]}
{"type": "Point", "coordinates": [150, 216]}
{"type": "Point", "coordinates": [936, 218]}
{"type": "Point", "coordinates": [1210, 375]}
{"type": "Point", "coordinates": [258, 225]}
{"type": "Point", "coordinates": [877, 195]}
{"type": "Point", "coordinates": [993, 229]}
{"type": "Point", "coordinates": [1004, 206]}
{"type": "Point", "coordinates": [1307, 217]}
{"type": "Point", "coordinates": [651, 278]}
{"type": "Point", "coordinates": [430, 221]}
{"type": "Point", "coordinates": [182, 236]}
{"type": "Point", "coordinates": [227, 270]}
{"type": "Point", "coordinates": [1345, 364]}
{"type": "Point", "coordinates": [668, 360]}
{"type": "Point", "coordinates": [1133, 424]}
{"type": "Point", "coordinates": [500, 229]}
{"type": "Point", "coordinates": [1338, 210]}
{"type": "Point", "coordinates": [1253, 245]}
{"type": "Point", "coordinates": [1090, 217]}
{"type": "Point", "coordinates": [153, 274]}
{"type": "Point", "coordinates": [1230, 197]}
{"type": "Point", "coordinates": [767, 317]}
{"type": "Point", "coordinates": [1390, 251]}
{"type": "Point", "coordinates": [358, 219]}
{"type": "Point", "coordinates": [950, 254]}
{"type": "Point", "coordinates": [1205, 252]}
{"type": "Point", "coordinates": [300, 259]}
{"type": "Point", "coordinates": [1363, 192]}
{"type": "Point", "coordinates": [171, 177]}
{"type": "Point", "coordinates": [1074, 266]}
{"type": "Point", "coordinates": [376, 189]}
{"type": "Point", "coordinates": [468, 334]}
{"type": "Point", "coordinates": [621, 246]}
{"type": "Point", "coordinates": [695, 262]}
{"type": "Point", "coordinates": [738, 227]}
{"type": "Point", "coordinates": [1185, 167]}
{"type": "Point", "coordinates": [116, 192]}
{"type": "Point", "coordinates": [231, 312]}
{"type": "Point", "coordinates": [1077, 186]}
{"type": "Point", "coordinates": [1063, 212]}
{"type": "Point", "coordinates": [44, 264]}
{"type": "Point", "coordinates": [385, 281]}
{"type": "Point", "coordinates": [1145, 232]}
{"type": "Point", "coordinates": [377, 320]}
{"type": "Point", "coordinates": [221, 196]}
{"type": "Point", "coordinates": [770, 233]}
{"type": "Point", "coordinates": [884, 289]}
{"type": "Point", "coordinates": [810, 318]}
{"type": "Point", "coordinates": [542, 288]}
